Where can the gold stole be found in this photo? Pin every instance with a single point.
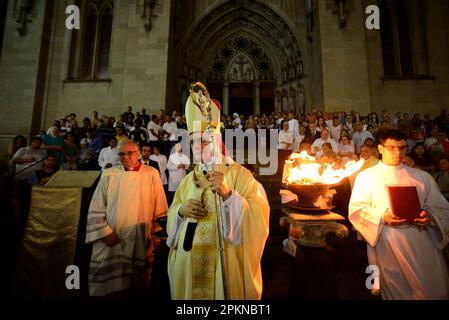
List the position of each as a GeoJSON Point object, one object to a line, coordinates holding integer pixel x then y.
{"type": "Point", "coordinates": [204, 247]}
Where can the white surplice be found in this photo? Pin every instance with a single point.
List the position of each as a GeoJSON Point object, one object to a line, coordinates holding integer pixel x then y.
{"type": "Point", "coordinates": [285, 137]}
{"type": "Point", "coordinates": [175, 174]}
{"type": "Point", "coordinates": [126, 202]}
{"type": "Point", "coordinates": [108, 155]}
{"type": "Point", "coordinates": [410, 261]}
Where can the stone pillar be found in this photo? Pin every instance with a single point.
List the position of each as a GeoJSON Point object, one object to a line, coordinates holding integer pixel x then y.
{"type": "Point", "coordinates": [257, 98]}
{"type": "Point", "coordinates": [226, 98]}
{"type": "Point", "coordinates": [344, 83]}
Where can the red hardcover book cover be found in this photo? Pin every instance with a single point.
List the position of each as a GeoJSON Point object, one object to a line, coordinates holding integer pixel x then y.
{"type": "Point", "coordinates": [405, 202]}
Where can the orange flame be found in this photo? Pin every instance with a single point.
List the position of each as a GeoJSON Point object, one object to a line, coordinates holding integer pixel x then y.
{"type": "Point", "coordinates": [310, 171]}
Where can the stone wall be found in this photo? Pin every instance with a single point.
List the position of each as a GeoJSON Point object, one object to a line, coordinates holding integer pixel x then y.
{"type": "Point", "coordinates": [314, 73]}
{"type": "Point", "coordinates": [344, 62]}
{"type": "Point", "coordinates": [138, 67]}
{"type": "Point", "coordinates": [343, 66]}
{"type": "Point", "coordinates": [18, 73]}
{"type": "Point", "coordinates": [414, 95]}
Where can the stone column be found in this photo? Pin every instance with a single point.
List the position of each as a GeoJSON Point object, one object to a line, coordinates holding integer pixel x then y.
{"type": "Point", "coordinates": [257, 98]}
{"type": "Point", "coordinates": [226, 98]}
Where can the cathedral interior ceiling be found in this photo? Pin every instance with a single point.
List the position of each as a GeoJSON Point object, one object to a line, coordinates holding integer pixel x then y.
{"type": "Point", "coordinates": [239, 28]}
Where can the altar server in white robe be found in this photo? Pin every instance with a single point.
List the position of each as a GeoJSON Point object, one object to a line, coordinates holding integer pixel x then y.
{"type": "Point", "coordinates": [109, 156]}
{"type": "Point", "coordinates": [285, 138]}
{"type": "Point", "coordinates": [162, 162]}
{"type": "Point", "coordinates": [177, 165]}
{"type": "Point", "coordinates": [408, 255]}
{"type": "Point", "coordinates": [126, 202]}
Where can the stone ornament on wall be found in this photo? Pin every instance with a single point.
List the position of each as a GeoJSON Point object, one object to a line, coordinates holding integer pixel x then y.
{"type": "Point", "coordinates": [237, 52]}
{"type": "Point", "coordinates": [249, 15]}
{"type": "Point", "coordinates": [24, 11]}
{"type": "Point", "coordinates": [241, 70]}
{"type": "Point", "coordinates": [300, 70]}
{"type": "Point", "coordinates": [301, 99]}
{"type": "Point", "coordinates": [341, 8]}
{"type": "Point", "coordinates": [292, 100]}
{"type": "Point", "coordinates": [148, 10]}
{"type": "Point", "coordinates": [278, 101]}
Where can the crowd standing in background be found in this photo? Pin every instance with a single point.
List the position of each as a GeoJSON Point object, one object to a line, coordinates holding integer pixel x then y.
{"type": "Point", "coordinates": [335, 137]}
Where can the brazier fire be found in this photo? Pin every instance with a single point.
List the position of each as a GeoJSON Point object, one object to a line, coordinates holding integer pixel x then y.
{"type": "Point", "coordinates": [313, 181]}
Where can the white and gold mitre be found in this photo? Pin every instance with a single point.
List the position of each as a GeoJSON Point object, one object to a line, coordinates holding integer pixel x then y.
{"type": "Point", "coordinates": [202, 112]}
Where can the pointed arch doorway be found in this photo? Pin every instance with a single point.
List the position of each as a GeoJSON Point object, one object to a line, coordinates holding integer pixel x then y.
{"type": "Point", "coordinates": [251, 52]}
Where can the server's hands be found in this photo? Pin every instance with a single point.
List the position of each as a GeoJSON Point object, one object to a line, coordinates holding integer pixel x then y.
{"type": "Point", "coordinates": [391, 220]}
{"type": "Point", "coordinates": [424, 220]}
{"type": "Point", "coordinates": [111, 240]}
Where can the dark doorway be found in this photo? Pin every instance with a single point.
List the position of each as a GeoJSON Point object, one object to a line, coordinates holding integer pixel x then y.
{"type": "Point", "coordinates": [266, 98]}
{"type": "Point", "coordinates": [241, 99]}
{"type": "Point", "coordinates": [242, 106]}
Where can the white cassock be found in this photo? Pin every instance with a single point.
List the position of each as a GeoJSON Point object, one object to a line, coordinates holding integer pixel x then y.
{"type": "Point", "coordinates": [297, 142]}
{"type": "Point", "coordinates": [410, 262]}
{"type": "Point", "coordinates": [293, 127]}
{"type": "Point", "coordinates": [162, 161]}
{"type": "Point", "coordinates": [359, 139]}
{"type": "Point", "coordinates": [108, 155]}
{"type": "Point", "coordinates": [170, 127]}
{"type": "Point", "coordinates": [285, 137]}
{"type": "Point", "coordinates": [175, 174]}
{"type": "Point", "coordinates": [156, 128]}
{"type": "Point", "coordinates": [334, 131]}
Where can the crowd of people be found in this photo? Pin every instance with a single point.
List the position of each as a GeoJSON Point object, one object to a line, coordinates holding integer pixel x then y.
{"type": "Point", "coordinates": [338, 138]}
{"type": "Point", "coordinates": [108, 142]}
{"type": "Point", "coordinates": [94, 146]}
{"type": "Point", "coordinates": [332, 137]}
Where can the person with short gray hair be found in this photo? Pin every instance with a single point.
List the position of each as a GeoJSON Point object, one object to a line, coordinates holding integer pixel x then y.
{"type": "Point", "coordinates": [120, 224]}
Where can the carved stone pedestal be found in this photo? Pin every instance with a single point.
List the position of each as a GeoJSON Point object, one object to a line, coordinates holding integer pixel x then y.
{"type": "Point", "coordinates": [313, 273]}
{"type": "Point", "coordinates": [310, 230]}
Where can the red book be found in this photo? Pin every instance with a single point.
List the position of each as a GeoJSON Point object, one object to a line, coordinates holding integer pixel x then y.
{"type": "Point", "coordinates": [404, 202]}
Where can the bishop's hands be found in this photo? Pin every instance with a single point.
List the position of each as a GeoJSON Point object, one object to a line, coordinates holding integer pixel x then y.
{"type": "Point", "coordinates": [193, 209]}
{"type": "Point", "coordinates": [422, 222]}
{"type": "Point", "coordinates": [218, 184]}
